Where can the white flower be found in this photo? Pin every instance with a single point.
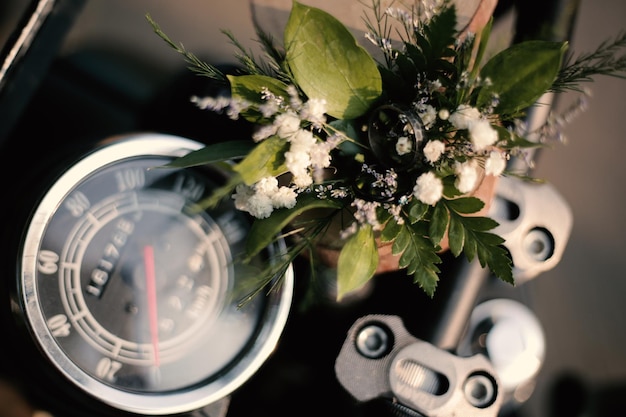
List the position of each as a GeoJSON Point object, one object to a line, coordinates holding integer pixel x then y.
{"type": "Point", "coordinates": [284, 197]}
{"type": "Point", "coordinates": [294, 98]}
{"type": "Point", "coordinates": [495, 163]}
{"type": "Point", "coordinates": [257, 204]}
{"type": "Point", "coordinates": [428, 188]}
{"type": "Point", "coordinates": [216, 104]}
{"type": "Point", "coordinates": [366, 212]}
{"type": "Point", "coordinates": [297, 161]}
{"type": "Point", "coordinates": [260, 206]}
{"type": "Point", "coordinates": [302, 179]}
{"type": "Point", "coordinates": [267, 186]}
{"type": "Point", "coordinates": [403, 146]}
{"type": "Point", "coordinates": [236, 106]}
{"type": "Point", "coordinates": [302, 141]}
{"type": "Point", "coordinates": [314, 111]}
{"type": "Point", "coordinates": [241, 196]}
{"type": "Point", "coordinates": [444, 114]}
{"type": "Point", "coordinates": [433, 150]}
{"type": "Point", "coordinates": [320, 155]}
{"type": "Point", "coordinates": [428, 114]}
{"type": "Point", "coordinates": [287, 124]}
{"type": "Point", "coordinates": [466, 176]}
{"type": "Point", "coordinates": [263, 132]}
{"type": "Point", "coordinates": [464, 116]}
{"type": "Point", "coordinates": [269, 108]}
{"type": "Point", "coordinates": [348, 231]}
{"type": "Point", "coordinates": [482, 134]}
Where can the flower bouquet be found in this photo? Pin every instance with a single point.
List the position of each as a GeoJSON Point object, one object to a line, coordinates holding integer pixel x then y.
{"type": "Point", "coordinates": [385, 149]}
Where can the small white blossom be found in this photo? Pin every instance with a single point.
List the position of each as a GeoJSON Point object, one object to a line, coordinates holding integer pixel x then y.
{"type": "Point", "coordinates": [302, 179]}
{"type": "Point", "coordinates": [320, 155]}
{"type": "Point", "coordinates": [294, 99]}
{"type": "Point", "coordinates": [482, 134]}
{"type": "Point", "coordinates": [466, 176]}
{"type": "Point", "coordinates": [428, 188]}
{"type": "Point", "coordinates": [263, 132]}
{"type": "Point", "coordinates": [302, 141]}
{"type": "Point", "coordinates": [260, 206]}
{"type": "Point", "coordinates": [241, 196]}
{"type": "Point", "coordinates": [267, 186]}
{"type": "Point", "coordinates": [314, 111]}
{"type": "Point", "coordinates": [463, 116]}
{"type": "Point", "coordinates": [297, 162]}
{"type": "Point", "coordinates": [495, 163]}
{"type": "Point", "coordinates": [444, 114]}
{"type": "Point", "coordinates": [403, 146]}
{"type": "Point", "coordinates": [287, 124]}
{"type": "Point", "coordinates": [236, 106]}
{"type": "Point", "coordinates": [366, 212]}
{"type": "Point", "coordinates": [269, 108]}
{"type": "Point", "coordinates": [348, 231]}
{"type": "Point", "coordinates": [284, 197]}
{"type": "Point", "coordinates": [433, 150]}
{"type": "Point", "coordinates": [216, 104]}
{"type": "Point", "coordinates": [428, 114]}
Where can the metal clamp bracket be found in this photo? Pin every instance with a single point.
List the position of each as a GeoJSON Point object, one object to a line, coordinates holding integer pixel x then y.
{"type": "Point", "coordinates": [380, 359]}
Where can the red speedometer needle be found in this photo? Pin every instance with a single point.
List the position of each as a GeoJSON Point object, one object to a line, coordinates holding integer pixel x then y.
{"type": "Point", "coordinates": [148, 259]}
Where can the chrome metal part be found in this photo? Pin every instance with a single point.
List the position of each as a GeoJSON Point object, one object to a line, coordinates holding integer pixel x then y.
{"type": "Point", "coordinates": [535, 222]}
{"type": "Point", "coordinates": [381, 359]}
{"type": "Point", "coordinates": [511, 336]}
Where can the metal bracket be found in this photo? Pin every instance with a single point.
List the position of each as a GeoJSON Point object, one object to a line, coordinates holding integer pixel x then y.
{"type": "Point", "coordinates": [536, 223]}
{"type": "Point", "coordinates": [380, 359]}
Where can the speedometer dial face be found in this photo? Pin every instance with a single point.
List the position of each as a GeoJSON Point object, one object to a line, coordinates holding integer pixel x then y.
{"type": "Point", "coordinates": [132, 291]}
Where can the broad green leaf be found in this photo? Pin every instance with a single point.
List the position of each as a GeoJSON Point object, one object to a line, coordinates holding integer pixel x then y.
{"type": "Point", "coordinates": [357, 261]}
{"type": "Point", "coordinates": [249, 88]}
{"type": "Point", "coordinates": [264, 231]}
{"type": "Point", "coordinates": [521, 74]}
{"type": "Point", "coordinates": [265, 160]}
{"type": "Point", "coordinates": [216, 152]}
{"type": "Point", "coordinates": [327, 62]}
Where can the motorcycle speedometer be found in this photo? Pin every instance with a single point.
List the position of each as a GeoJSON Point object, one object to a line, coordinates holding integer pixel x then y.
{"type": "Point", "coordinates": [132, 290]}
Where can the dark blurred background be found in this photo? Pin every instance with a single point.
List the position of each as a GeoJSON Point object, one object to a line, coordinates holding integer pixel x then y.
{"type": "Point", "coordinates": [581, 303]}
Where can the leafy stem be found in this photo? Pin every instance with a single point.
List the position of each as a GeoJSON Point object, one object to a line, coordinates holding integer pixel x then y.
{"type": "Point", "coordinates": [605, 60]}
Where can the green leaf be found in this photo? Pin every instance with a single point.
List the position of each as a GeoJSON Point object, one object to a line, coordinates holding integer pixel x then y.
{"type": "Point", "coordinates": [417, 210]}
{"type": "Point", "coordinates": [439, 222]}
{"type": "Point", "coordinates": [508, 139]}
{"type": "Point", "coordinates": [327, 62]}
{"type": "Point", "coordinates": [390, 232]}
{"type": "Point", "coordinates": [249, 88]}
{"type": "Point", "coordinates": [265, 160]}
{"type": "Point", "coordinates": [466, 205]}
{"type": "Point", "coordinates": [264, 231]}
{"type": "Point", "coordinates": [470, 234]}
{"type": "Point", "coordinates": [521, 74]}
{"type": "Point", "coordinates": [418, 257]}
{"type": "Point", "coordinates": [357, 262]}
{"type": "Point", "coordinates": [216, 152]}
